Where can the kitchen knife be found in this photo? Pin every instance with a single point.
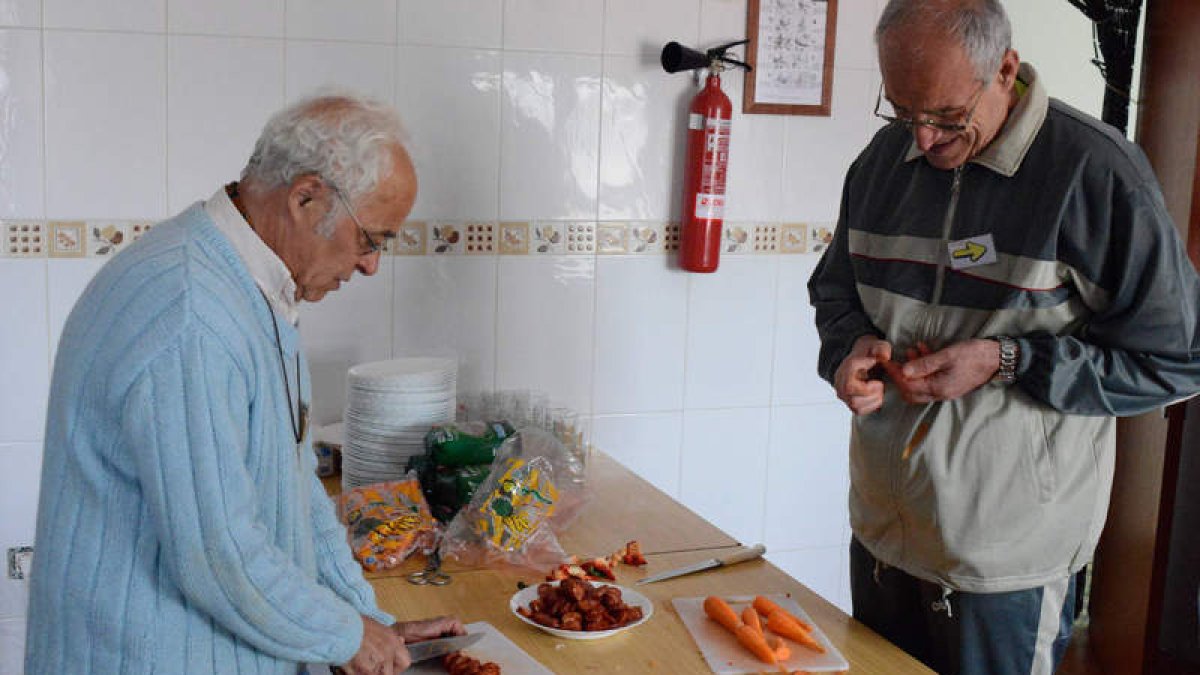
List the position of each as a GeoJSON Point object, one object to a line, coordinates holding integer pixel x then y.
{"type": "Point", "coordinates": [743, 555]}
{"type": "Point", "coordinates": [428, 649]}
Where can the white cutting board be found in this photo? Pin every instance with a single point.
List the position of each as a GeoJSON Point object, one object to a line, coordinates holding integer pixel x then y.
{"type": "Point", "coordinates": [726, 656]}
{"type": "Point", "coordinates": [493, 647]}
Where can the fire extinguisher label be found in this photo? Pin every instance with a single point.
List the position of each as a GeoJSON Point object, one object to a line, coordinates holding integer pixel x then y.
{"type": "Point", "coordinates": [710, 206]}
{"type": "Point", "coordinates": [716, 158]}
{"type": "Point", "coordinates": [695, 121]}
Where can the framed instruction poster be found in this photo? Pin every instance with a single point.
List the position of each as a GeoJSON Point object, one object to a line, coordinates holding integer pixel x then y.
{"type": "Point", "coordinates": [791, 50]}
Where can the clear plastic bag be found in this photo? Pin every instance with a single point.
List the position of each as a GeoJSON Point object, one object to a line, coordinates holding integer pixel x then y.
{"type": "Point", "coordinates": [387, 522]}
{"type": "Point", "coordinates": [534, 491]}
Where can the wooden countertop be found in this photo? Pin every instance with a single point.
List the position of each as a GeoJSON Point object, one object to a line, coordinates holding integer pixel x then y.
{"type": "Point", "coordinates": [625, 507]}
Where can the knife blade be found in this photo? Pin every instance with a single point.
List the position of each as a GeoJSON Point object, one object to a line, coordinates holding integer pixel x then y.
{"type": "Point", "coordinates": [428, 649]}
{"type": "Point", "coordinates": [752, 553]}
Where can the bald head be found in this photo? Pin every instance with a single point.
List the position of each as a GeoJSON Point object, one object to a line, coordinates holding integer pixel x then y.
{"type": "Point", "coordinates": [911, 29]}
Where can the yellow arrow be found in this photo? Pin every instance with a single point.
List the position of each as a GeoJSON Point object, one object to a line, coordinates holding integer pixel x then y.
{"type": "Point", "coordinates": [971, 250]}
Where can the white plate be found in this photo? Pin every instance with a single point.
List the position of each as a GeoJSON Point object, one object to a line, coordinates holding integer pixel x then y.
{"type": "Point", "coordinates": [526, 595]}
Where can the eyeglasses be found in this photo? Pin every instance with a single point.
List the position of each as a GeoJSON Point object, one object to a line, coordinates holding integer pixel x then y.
{"type": "Point", "coordinates": [933, 122]}
{"type": "Point", "coordinates": [372, 245]}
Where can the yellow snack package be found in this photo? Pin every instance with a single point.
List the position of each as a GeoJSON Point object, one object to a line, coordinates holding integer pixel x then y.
{"type": "Point", "coordinates": [387, 522]}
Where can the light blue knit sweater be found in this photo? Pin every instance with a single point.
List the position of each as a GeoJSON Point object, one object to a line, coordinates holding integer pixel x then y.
{"type": "Point", "coordinates": [179, 529]}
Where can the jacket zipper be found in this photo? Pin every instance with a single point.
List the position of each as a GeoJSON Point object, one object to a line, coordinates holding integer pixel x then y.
{"type": "Point", "coordinates": [943, 261]}
{"type": "Point", "coordinates": [947, 224]}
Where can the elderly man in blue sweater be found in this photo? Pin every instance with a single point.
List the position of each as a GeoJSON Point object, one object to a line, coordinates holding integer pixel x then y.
{"type": "Point", "coordinates": [181, 527]}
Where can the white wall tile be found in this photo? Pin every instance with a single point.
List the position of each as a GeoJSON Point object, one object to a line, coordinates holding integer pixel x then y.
{"type": "Point", "coordinates": [725, 468]}
{"type": "Point", "coordinates": [23, 352]}
{"type": "Point", "coordinates": [854, 43]}
{"type": "Point", "coordinates": [647, 444]}
{"type": "Point", "coordinates": [66, 281]}
{"type": "Point", "coordinates": [553, 25]}
{"type": "Point", "coordinates": [368, 21]}
{"type": "Point", "coordinates": [549, 136]}
{"type": "Point", "coordinates": [315, 66]}
{"type": "Point", "coordinates": [451, 105]}
{"type": "Point", "coordinates": [21, 161]}
{"type": "Point", "coordinates": [641, 320]}
{"type": "Point", "coordinates": [754, 182]}
{"type": "Point", "coordinates": [820, 149]}
{"type": "Point", "coordinates": [731, 317]}
{"type": "Point", "coordinates": [722, 21]}
{"type": "Point", "coordinates": [349, 326]}
{"type": "Point", "coordinates": [636, 27]}
{"type": "Point", "coordinates": [22, 464]}
{"type": "Point", "coordinates": [220, 92]}
{"type": "Point", "coordinates": [794, 375]}
{"type": "Point", "coordinates": [448, 304]}
{"type": "Point", "coordinates": [105, 133]}
{"type": "Point", "coordinates": [808, 472]}
{"type": "Point", "coordinates": [1057, 39]}
{"type": "Point", "coordinates": [822, 570]}
{"type": "Point", "coordinates": [477, 23]}
{"type": "Point", "coordinates": [134, 15]}
{"type": "Point", "coordinates": [544, 315]}
{"type": "Point", "coordinates": [21, 13]}
{"type": "Point", "coordinates": [262, 18]}
{"type": "Point", "coordinates": [642, 140]}
{"type": "Point", "coordinates": [12, 646]}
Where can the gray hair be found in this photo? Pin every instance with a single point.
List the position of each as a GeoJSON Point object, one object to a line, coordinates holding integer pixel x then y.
{"type": "Point", "coordinates": [981, 26]}
{"type": "Point", "coordinates": [345, 139]}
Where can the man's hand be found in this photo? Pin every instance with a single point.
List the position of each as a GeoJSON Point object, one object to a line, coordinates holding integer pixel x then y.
{"type": "Point", "coordinates": [382, 652]}
{"type": "Point", "coordinates": [853, 382]}
{"type": "Point", "coordinates": [427, 629]}
{"type": "Point", "coordinates": [950, 373]}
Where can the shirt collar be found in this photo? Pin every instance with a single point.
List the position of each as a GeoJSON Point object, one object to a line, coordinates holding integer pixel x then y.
{"type": "Point", "coordinates": [267, 269]}
{"type": "Point", "coordinates": [1007, 150]}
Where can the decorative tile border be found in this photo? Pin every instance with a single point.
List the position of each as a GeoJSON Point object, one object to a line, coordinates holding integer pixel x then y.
{"type": "Point", "coordinates": [103, 238]}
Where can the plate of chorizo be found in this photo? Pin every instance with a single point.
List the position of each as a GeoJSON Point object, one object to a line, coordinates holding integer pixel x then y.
{"type": "Point", "coordinates": [576, 609]}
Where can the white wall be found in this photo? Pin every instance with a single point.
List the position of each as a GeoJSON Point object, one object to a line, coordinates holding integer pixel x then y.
{"type": "Point", "coordinates": [521, 110]}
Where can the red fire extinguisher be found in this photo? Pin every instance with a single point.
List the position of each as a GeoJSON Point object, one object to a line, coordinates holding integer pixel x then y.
{"type": "Point", "coordinates": [710, 120]}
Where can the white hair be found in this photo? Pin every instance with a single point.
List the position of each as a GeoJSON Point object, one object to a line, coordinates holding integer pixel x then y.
{"type": "Point", "coordinates": [345, 139]}
{"type": "Point", "coordinates": [981, 26]}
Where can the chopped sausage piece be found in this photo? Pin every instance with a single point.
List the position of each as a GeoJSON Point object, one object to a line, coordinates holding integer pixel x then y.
{"type": "Point", "coordinates": [459, 663]}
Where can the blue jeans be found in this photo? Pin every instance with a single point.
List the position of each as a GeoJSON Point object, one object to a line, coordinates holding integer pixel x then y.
{"type": "Point", "coordinates": [1016, 633]}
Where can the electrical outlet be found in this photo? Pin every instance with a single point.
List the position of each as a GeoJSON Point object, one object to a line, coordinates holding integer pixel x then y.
{"type": "Point", "coordinates": [20, 559]}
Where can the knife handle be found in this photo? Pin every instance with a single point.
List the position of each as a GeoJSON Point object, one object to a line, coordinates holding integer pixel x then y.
{"type": "Point", "coordinates": [743, 555]}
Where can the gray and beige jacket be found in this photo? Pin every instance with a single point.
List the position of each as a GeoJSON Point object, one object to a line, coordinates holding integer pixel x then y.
{"type": "Point", "coordinates": [1056, 234]}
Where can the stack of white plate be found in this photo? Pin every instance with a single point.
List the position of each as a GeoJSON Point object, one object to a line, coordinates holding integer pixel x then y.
{"type": "Point", "coordinates": [390, 405]}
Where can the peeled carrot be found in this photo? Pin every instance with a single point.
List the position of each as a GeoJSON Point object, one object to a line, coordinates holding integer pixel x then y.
{"type": "Point", "coordinates": [756, 643]}
{"type": "Point", "coordinates": [780, 622]}
{"type": "Point", "coordinates": [782, 651]}
{"type": "Point", "coordinates": [766, 607]}
{"type": "Point", "coordinates": [750, 618]}
{"type": "Point", "coordinates": [718, 610]}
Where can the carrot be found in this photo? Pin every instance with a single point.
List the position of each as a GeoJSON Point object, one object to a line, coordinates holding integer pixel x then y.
{"type": "Point", "coordinates": [779, 622]}
{"type": "Point", "coordinates": [766, 607]}
{"type": "Point", "coordinates": [718, 610]}
{"type": "Point", "coordinates": [782, 651]}
{"type": "Point", "coordinates": [750, 618]}
{"type": "Point", "coordinates": [756, 643]}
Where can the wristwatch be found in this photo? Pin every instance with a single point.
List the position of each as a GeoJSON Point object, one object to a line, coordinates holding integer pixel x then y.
{"type": "Point", "coordinates": [1010, 356]}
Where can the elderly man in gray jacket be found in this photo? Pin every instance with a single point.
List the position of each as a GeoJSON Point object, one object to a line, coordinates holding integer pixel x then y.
{"type": "Point", "coordinates": [1004, 280]}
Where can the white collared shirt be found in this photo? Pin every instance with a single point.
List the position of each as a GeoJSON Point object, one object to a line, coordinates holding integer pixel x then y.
{"type": "Point", "coordinates": [267, 269]}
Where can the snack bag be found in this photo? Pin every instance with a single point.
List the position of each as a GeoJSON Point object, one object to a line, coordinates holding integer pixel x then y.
{"type": "Point", "coordinates": [513, 517]}
{"type": "Point", "coordinates": [387, 522]}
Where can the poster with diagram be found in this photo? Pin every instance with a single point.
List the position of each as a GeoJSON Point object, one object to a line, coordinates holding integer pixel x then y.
{"type": "Point", "coordinates": [791, 51]}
